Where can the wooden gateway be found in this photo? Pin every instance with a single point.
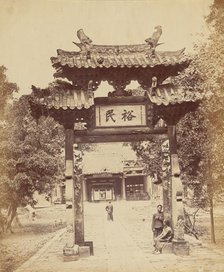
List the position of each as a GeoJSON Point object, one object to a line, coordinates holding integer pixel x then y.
{"type": "Point", "coordinates": [122, 116]}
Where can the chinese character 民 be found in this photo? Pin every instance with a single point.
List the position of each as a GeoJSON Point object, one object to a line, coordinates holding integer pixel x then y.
{"type": "Point", "coordinates": [127, 115]}
{"type": "Point", "coordinates": [109, 115]}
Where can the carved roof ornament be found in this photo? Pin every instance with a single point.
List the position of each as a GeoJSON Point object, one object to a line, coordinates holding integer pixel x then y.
{"type": "Point", "coordinates": [82, 37]}
{"type": "Point", "coordinates": [119, 93]}
{"type": "Point", "coordinates": [80, 125]}
{"type": "Point", "coordinates": [92, 63]}
{"type": "Point", "coordinates": [154, 85]}
{"type": "Point", "coordinates": [85, 41]}
{"type": "Point", "coordinates": [153, 40]}
{"type": "Point", "coordinates": [112, 56]}
{"type": "Point", "coordinates": [154, 82]}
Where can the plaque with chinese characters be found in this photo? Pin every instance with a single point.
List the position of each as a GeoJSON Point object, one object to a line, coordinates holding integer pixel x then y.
{"type": "Point", "coordinates": [120, 115]}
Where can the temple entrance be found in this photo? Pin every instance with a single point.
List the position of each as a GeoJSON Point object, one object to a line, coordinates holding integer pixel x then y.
{"type": "Point", "coordinates": [101, 190]}
{"type": "Point", "coordinates": [100, 193]}
{"type": "Point", "coordinates": [125, 181]}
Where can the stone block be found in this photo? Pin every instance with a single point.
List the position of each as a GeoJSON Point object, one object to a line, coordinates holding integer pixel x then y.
{"type": "Point", "coordinates": [167, 248]}
{"type": "Point", "coordinates": [181, 247]}
{"type": "Point", "coordinates": [84, 251]}
{"type": "Point", "coordinates": [70, 253]}
{"type": "Point", "coordinates": [90, 244]}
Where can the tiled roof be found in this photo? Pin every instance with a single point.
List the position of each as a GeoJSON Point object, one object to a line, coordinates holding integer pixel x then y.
{"type": "Point", "coordinates": [165, 94]}
{"type": "Point", "coordinates": [169, 94]}
{"type": "Point", "coordinates": [141, 55]}
{"type": "Point", "coordinates": [104, 174]}
{"type": "Point", "coordinates": [69, 99]}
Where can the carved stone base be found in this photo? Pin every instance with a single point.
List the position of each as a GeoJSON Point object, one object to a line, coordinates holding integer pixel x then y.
{"type": "Point", "coordinates": [70, 253]}
{"type": "Point", "coordinates": [181, 247]}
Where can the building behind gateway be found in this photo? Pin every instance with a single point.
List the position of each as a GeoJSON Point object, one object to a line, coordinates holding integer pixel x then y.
{"type": "Point", "coordinates": [113, 178]}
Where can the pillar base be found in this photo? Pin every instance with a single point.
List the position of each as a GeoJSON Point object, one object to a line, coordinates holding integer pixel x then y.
{"type": "Point", "coordinates": [167, 248]}
{"type": "Point", "coordinates": [84, 251]}
{"type": "Point", "coordinates": [181, 247]}
{"type": "Point", "coordinates": [90, 245]}
{"type": "Point", "coordinates": [70, 253]}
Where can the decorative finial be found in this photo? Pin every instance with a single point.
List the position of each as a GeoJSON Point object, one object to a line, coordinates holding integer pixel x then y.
{"type": "Point", "coordinates": [152, 90]}
{"type": "Point", "coordinates": [154, 82]}
{"type": "Point", "coordinates": [82, 37]}
{"type": "Point", "coordinates": [85, 43]}
{"type": "Point", "coordinates": [153, 40]}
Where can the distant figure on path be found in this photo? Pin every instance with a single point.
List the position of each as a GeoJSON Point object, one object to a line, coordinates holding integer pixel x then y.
{"type": "Point", "coordinates": [165, 236]}
{"type": "Point", "coordinates": [109, 209]}
{"type": "Point", "coordinates": [157, 222]}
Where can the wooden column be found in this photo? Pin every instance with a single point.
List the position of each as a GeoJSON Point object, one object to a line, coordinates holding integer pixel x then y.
{"type": "Point", "coordinates": [176, 184]}
{"type": "Point", "coordinates": [69, 187]}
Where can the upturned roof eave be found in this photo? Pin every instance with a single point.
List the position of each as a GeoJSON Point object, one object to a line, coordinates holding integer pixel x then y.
{"type": "Point", "coordinates": [93, 59]}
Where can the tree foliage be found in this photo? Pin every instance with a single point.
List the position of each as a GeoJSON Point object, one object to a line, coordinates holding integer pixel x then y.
{"type": "Point", "coordinates": [149, 153]}
{"type": "Point", "coordinates": [31, 156]}
{"type": "Point", "coordinates": [201, 133]}
{"type": "Point", "coordinates": [6, 90]}
{"type": "Point", "coordinates": [35, 151]}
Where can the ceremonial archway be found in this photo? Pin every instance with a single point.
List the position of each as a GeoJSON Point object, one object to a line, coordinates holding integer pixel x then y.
{"type": "Point", "coordinates": [121, 116]}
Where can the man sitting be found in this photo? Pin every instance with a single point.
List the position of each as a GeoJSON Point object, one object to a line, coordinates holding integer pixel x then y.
{"type": "Point", "coordinates": [165, 236]}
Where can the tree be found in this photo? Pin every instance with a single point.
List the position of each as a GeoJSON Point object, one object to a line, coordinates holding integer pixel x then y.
{"type": "Point", "coordinates": [203, 162]}
{"type": "Point", "coordinates": [6, 90]}
{"type": "Point", "coordinates": [31, 157]}
{"type": "Point", "coordinates": [149, 153]}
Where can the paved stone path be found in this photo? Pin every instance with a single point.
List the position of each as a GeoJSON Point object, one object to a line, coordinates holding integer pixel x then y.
{"type": "Point", "coordinates": [123, 245]}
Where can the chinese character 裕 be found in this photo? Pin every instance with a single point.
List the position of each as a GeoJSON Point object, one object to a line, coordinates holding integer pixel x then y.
{"type": "Point", "coordinates": [127, 115]}
{"type": "Point", "coordinates": [109, 115]}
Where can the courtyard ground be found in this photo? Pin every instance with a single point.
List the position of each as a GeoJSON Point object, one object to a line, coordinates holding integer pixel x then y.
{"type": "Point", "coordinates": [122, 245]}
{"type": "Point", "coordinates": [18, 247]}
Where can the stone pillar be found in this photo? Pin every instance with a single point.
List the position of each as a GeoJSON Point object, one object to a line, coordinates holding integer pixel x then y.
{"type": "Point", "coordinates": [61, 193]}
{"type": "Point", "coordinates": [78, 199]}
{"type": "Point", "coordinates": [79, 216]}
{"type": "Point", "coordinates": [123, 188]}
{"type": "Point", "coordinates": [84, 192]}
{"type": "Point", "coordinates": [176, 184]}
{"type": "Point", "coordinates": [166, 180]}
{"type": "Point", "coordinates": [180, 245]}
{"type": "Point", "coordinates": [69, 187]}
{"type": "Point", "coordinates": [58, 189]}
